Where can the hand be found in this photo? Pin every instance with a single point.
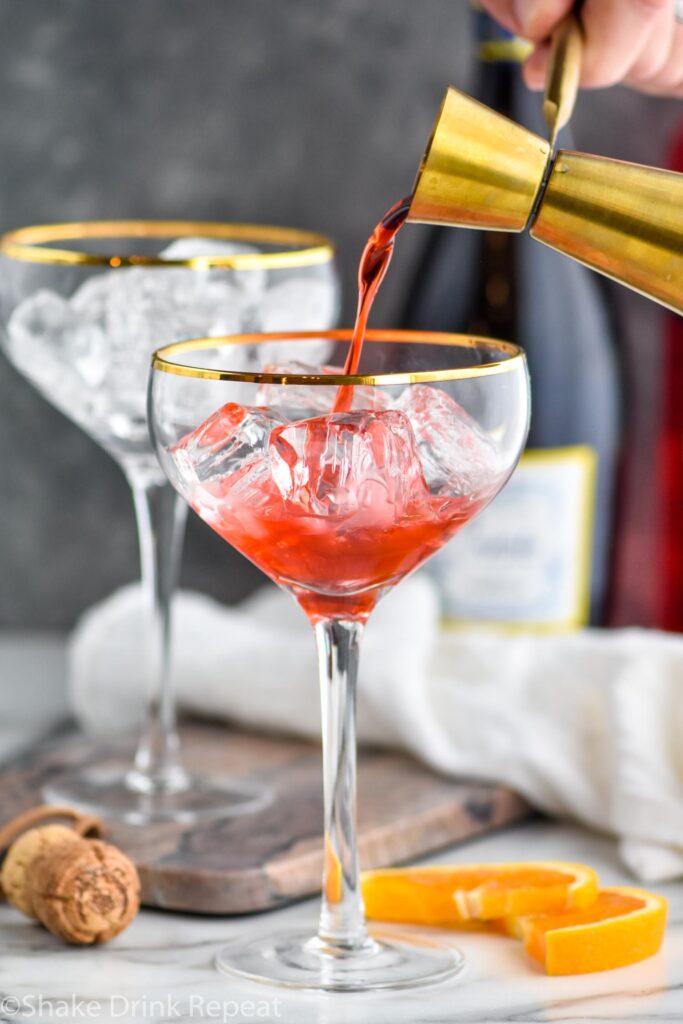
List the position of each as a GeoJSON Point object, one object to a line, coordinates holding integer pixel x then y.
{"type": "Point", "coordinates": [637, 42]}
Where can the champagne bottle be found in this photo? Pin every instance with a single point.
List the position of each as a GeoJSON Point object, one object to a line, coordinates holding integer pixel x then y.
{"type": "Point", "coordinates": [540, 556]}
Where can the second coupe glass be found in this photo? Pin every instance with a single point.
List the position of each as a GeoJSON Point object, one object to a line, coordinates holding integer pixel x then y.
{"type": "Point", "coordinates": [83, 306]}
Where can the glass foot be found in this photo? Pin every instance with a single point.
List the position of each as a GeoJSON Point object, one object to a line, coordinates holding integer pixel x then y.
{"type": "Point", "coordinates": [391, 958]}
{"type": "Point", "coordinates": [114, 790]}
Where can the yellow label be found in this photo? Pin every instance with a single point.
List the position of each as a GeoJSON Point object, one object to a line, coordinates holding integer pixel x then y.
{"type": "Point", "coordinates": [495, 51]}
{"type": "Point", "coordinates": [525, 562]}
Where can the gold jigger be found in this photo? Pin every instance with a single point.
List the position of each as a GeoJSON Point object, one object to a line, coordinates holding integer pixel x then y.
{"type": "Point", "coordinates": [621, 219]}
{"type": "Point", "coordinates": [481, 170]}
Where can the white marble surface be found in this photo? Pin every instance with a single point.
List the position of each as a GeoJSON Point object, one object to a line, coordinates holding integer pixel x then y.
{"type": "Point", "coordinates": [161, 969]}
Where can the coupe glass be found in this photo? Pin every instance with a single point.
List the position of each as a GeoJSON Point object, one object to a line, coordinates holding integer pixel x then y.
{"type": "Point", "coordinates": [337, 507]}
{"type": "Point", "coordinates": [82, 307]}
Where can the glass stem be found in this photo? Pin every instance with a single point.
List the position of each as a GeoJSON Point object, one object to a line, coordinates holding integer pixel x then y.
{"type": "Point", "coordinates": [161, 516]}
{"type": "Point", "coordinates": [342, 917]}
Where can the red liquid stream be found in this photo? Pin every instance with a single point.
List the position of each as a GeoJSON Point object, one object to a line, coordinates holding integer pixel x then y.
{"type": "Point", "coordinates": [372, 269]}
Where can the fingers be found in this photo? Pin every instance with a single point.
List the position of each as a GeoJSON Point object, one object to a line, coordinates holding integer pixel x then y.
{"type": "Point", "coordinates": [503, 12]}
{"type": "Point", "coordinates": [666, 80]}
{"type": "Point", "coordinates": [535, 70]}
{"type": "Point", "coordinates": [633, 41]}
{"type": "Point", "coordinates": [655, 55]}
{"type": "Point", "coordinates": [532, 19]}
{"type": "Point", "coordinates": [621, 33]}
{"type": "Point", "coordinates": [536, 19]}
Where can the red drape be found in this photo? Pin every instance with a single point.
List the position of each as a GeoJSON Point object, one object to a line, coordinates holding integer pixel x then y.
{"type": "Point", "coordinates": [670, 613]}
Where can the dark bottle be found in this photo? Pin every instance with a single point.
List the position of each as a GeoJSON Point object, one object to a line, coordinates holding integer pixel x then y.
{"type": "Point", "coordinates": [541, 554]}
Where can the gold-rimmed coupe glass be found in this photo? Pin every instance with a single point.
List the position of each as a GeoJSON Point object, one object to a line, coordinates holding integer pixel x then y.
{"type": "Point", "coordinates": [337, 487]}
{"type": "Point", "coordinates": [82, 307]}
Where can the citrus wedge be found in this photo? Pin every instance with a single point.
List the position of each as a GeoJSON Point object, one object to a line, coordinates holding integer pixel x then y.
{"type": "Point", "coordinates": [451, 895]}
{"type": "Point", "coordinates": [623, 926]}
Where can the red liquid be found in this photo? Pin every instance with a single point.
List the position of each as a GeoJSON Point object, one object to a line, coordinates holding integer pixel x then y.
{"type": "Point", "coordinates": [372, 268]}
{"type": "Point", "coordinates": [339, 534]}
{"type": "Point", "coordinates": [336, 569]}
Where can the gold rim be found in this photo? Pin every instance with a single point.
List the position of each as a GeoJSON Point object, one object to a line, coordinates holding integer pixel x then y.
{"type": "Point", "coordinates": [33, 244]}
{"type": "Point", "coordinates": [163, 359]}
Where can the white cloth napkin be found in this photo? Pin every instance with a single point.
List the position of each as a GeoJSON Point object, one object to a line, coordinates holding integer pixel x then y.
{"type": "Point", "coordinates": [587, 725]}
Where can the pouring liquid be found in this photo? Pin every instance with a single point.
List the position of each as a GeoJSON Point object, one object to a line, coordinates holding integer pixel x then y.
{"type": "Point", "coordinates": [372, 268]}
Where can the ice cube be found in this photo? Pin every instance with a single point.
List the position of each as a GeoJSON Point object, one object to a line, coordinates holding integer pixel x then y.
{"type": "Point", "coordinates": [353, 464]}
{"type": "Point", "coordinates": [299, 401]}
{"type": "Point", "coordinates": [150, 307]}
{"type": "Point", "coordinates": [249, 282]}
{"type": "Point", "coordinates": [141, 308]}
{"type": "Point", "coordinates": [222, 467]}
{"type": "Point", "coordinates": [62, 353]}
{"type": "Point", "coordinates": [194, 247]}
{"type": "Point", "coordinates": [457, 456]}
{"type": "Point", "coordinates": [310, 351]}
{"type": "Point", "coordinates": [224, 443]}
{"type": "Point", "coordinates": [138, 309]}
{"type": "Point", "coordinates": [90, 355]}
{"type": "Point", "coordinates": [300, 304]}
{"type": "Point", "coordinates": [241, 497]}
{"type": "Point", "coordinates": [91, 297]}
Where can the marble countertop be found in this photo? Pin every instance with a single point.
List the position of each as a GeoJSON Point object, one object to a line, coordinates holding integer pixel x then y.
{"type": "Point", "coordinates": [161, 968]}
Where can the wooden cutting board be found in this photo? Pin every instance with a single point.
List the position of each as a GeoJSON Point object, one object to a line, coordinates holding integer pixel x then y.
{"type": "Point", "coordinates": [270, 857]}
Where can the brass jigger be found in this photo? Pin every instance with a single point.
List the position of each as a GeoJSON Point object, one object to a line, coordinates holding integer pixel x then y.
{"type": "Point", "coordinates": [482, 170]}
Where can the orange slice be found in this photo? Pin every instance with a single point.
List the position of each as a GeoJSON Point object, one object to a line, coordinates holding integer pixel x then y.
{"type": "Point", "coordinates": [451, 895]}
{"type": "Point", "coordinates": [623, 926]}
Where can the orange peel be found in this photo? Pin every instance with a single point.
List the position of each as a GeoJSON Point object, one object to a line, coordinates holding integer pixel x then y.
{"type": "Point", "coordinates": [454, 894]}
{"type": "Point", "coordinates": [623, 926]}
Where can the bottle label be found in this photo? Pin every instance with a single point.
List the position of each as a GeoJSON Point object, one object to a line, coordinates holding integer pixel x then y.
{"type": "Point", "coordinates": [525, 562]}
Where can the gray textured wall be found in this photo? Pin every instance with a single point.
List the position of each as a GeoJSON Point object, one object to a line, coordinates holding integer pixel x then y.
{"type": "Point", "coordinates": [289, 111]}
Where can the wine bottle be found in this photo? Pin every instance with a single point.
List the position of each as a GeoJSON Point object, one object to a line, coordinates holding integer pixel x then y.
{"type": "Point", "coordinates": [539, 557]}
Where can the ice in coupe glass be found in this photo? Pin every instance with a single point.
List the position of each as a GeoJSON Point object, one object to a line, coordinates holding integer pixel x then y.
{"type": "Point", "coordinates": [337, 485]}
{"type": "Point", "coordinates": [82, 307]}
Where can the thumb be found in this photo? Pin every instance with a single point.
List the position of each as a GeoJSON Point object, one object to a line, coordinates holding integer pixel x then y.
{"type": "Point", "coordinates": [536, 19]}
{"type": "Point", "coordinates": [535, 69]}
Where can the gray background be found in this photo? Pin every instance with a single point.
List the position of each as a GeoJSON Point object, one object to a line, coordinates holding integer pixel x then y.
{"type": "Point", "coordinates": [297, 112]}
